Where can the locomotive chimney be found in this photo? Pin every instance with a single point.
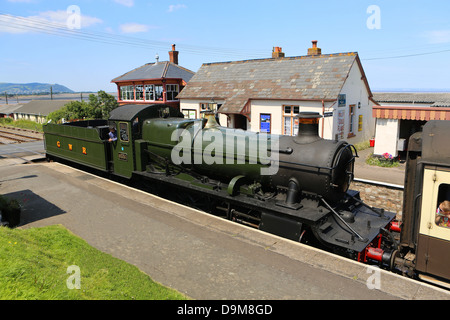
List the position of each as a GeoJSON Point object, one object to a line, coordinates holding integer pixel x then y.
{"type": "Point", "coordinates": [211, 122]}
{"type": "Point", "coordinates": [173, 55]}
{"type": "Point", "coordinates": [308, 127]}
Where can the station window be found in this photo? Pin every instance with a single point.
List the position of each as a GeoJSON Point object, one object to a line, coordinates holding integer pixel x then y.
{"type": "Point", "coordinates": [443, 206]}
{"type": "Point", "coordinates": [208, 106]}
{"type": "Point", "coordinates": [189, 113]}
{"type": "Point", "coordinates": [290, 120]}
{"type": "Point", "coordinates": [351, 117]}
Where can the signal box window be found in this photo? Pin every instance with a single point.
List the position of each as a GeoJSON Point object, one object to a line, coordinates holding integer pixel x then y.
{"type": "Point", "coordinates": [139, 92]}
{"type": "Point", "coordinates": [127, 93]}
{"type": "Point", "coordinates": [172, 91]}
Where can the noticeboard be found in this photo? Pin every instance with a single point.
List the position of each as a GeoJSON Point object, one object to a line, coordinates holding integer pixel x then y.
{"type": "Point", "coordinates": [265, 123]}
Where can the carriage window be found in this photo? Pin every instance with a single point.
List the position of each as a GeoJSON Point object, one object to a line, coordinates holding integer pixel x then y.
{"type": "Point", "coordinates": [123, 132]}
{"type": "Point", "coordinates": [443, 206]}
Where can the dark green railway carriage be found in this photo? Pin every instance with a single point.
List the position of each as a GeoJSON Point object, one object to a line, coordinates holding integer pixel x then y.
{"type": "Point", "coordinates": [86, 142]}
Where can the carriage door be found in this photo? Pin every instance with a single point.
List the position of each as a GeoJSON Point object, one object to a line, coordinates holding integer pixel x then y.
{"type": "Point", "coordinates": [123, 150]}
{"type": "Point", "coordinates": [433, 248]}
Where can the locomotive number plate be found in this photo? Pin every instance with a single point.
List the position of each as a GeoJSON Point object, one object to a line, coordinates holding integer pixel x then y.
{"type": "Point", "coordinates": [123, 156]}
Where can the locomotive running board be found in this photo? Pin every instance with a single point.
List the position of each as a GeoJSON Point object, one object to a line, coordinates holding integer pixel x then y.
{"type": "Point", "coordinates": [304, 216]}
{"type": "Point", "coordinates": [336, 234]}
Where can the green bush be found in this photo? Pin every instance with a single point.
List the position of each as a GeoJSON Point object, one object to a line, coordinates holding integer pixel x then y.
{"type": "Point", "coordinates": [10, 211]}
{"type": "Point", "coordinates": [6, 121]}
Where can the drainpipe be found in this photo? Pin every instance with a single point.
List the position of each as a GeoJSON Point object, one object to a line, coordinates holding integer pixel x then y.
{"type": "Point", "coordinates": [323, 116]}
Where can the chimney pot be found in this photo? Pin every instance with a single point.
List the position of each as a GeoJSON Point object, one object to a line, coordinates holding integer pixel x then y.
{"type": "Point", "coordinates": [173, 55]}
{"type": "Point", "coordinates": [314, 51]}
{"type": "Point", "coordinates": [277, 52]}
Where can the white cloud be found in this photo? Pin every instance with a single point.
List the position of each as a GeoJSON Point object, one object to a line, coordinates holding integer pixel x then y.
{"type": "Point", "coordinates": [175, 7]}
{"type": "Point", "coordinates": [438, 36]}
{"type": "Point", "coordinates": [44, 21]}
{"type": "Point", "coordinates": [134, 27]}
{"type": "Point", "coordinates": [127, 3]}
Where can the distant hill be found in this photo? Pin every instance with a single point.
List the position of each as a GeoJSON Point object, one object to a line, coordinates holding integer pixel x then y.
{"type": "Point", "coordinates": [32, 88]}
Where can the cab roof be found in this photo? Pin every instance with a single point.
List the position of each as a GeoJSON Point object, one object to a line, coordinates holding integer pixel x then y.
{"type": "Point", "coordinates": [130, 112]}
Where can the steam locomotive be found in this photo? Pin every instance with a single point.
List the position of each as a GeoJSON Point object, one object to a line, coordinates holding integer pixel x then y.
{"type": "Point", "coordinates": [294, 187]}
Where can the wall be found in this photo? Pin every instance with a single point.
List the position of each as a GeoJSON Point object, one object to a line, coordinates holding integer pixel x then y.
{"type": "Point", "coordinates": [356, 92]}
{"type": "Point", "coordinates": [32, 117]}
{"type": "Point", "coordinates": [275, 108]}
{"type": "Point", "coordinates": [388, 198]}
{"type": "Point", "coordinates": [386, 136]}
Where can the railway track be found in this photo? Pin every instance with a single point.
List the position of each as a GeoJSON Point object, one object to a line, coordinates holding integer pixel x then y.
{"type": "Point", "coordinates": [9, 136]}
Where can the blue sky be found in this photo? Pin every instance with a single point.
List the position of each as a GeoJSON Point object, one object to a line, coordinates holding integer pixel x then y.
{"type": "Point", "coordinates": [402, 44]}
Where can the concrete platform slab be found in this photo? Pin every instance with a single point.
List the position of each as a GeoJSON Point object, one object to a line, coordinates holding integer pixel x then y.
{"type": "Point", "coordinates": [200, 255]}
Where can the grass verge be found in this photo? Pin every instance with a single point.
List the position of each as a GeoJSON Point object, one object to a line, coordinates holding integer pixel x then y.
{"type": "Point", "coordinates": [23, 124]}
{"type": "Point", "coordinates": [34, 264]}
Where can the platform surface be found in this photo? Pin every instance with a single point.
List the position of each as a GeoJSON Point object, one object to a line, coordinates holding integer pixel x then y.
{"type": "Point", "coordinates": [202, 256]}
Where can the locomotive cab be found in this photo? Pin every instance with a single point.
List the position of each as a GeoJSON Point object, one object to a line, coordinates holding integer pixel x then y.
{"type": "Point", "coordinates": [128, 152]}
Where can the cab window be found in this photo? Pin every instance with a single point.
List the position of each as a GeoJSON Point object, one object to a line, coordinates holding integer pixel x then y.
{"type": "Point", "coordinates": [123, 132]}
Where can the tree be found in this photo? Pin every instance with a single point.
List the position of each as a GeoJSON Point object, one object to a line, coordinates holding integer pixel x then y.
{"type": "Point", "coordinates": [98, 107]}
{"type": "Point", "coordinates": [102, 104]}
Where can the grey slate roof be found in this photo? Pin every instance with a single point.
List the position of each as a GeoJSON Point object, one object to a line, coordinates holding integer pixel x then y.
{"type": "Point", "coordinates": [163, 69]}
{"type": "Point", "coordinates": [435, 99]}
{"type": "Point", "coordinates": [9, 108]}
{"type": "Point", "coordinates": [293, 78]}
{"type": "Point", "coordinates": [41, 107]}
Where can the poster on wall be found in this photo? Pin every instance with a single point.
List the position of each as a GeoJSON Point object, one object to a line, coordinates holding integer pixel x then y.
{"type": "Point", "coordinates": [265, 120]}
{"type": "Point", "coordinates": [342, 100]}
{"type": "Point", "coordinates": [360, 122]}
{"type": "Point", "coordinates": [341, 124]}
